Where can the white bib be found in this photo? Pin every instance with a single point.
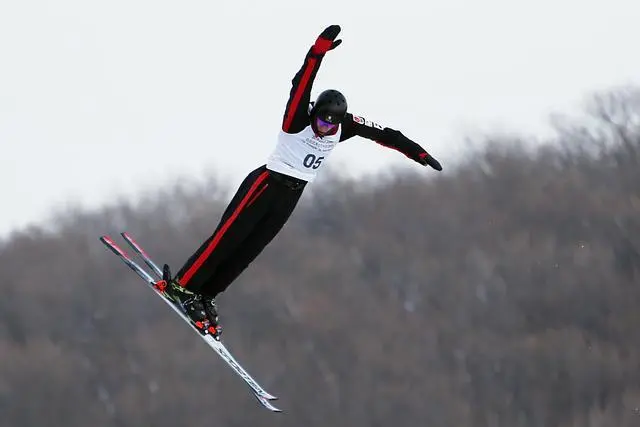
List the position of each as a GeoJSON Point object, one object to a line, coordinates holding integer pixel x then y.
{"type": "Point", "coordinates": [302, 154]}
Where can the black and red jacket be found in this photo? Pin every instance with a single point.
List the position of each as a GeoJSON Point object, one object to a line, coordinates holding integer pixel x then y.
{"type": "Point", "coordinates": [296, 117]}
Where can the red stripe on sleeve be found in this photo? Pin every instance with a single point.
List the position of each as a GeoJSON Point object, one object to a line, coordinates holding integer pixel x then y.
{"type": "Point", "coordinates": [298, 94]}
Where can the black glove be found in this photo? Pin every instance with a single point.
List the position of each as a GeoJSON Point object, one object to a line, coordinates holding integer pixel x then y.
{"type": "Point", "coordinates": [427, 160]}
{"type": "Point", "coordinates": [326, 40]}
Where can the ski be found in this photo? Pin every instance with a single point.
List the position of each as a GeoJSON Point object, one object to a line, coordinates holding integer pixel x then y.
{"type": "Point", "coordinates": [225, 353]}
{"type": "Point", "coordinates": [138, 249]}
{"type": "Point", "coordinates": [261, 395]}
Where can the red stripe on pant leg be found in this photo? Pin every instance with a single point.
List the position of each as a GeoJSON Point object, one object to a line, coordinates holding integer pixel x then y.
{"type": "Point", "coordinates": [257, 194]}
{"type": "Point", "coordinates": [214, 242]}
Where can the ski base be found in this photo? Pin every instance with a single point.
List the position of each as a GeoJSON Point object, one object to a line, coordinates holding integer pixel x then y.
{"type": "Point", "coordinates": [261, 395]}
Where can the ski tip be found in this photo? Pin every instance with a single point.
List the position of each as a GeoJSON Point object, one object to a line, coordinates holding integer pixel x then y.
{"type": "Point", "coordinates": [106, 239]}
{"type": "Point", "coordinates": [264, 402]}
{"type": "Point", "coordinates": [109, 243]}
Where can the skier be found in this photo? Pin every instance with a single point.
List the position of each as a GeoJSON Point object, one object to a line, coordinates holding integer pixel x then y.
{"type": "Point", "coordinates": [268, 195]}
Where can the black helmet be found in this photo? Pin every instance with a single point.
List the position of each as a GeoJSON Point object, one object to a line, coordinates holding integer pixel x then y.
{"type": "Point", "coordinates": [330, 106]}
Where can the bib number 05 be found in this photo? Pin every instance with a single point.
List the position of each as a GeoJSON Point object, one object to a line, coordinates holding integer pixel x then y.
{"type": "Point", "coordinates": [311, 161]}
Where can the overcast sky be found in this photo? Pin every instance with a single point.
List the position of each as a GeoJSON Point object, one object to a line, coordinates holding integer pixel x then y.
{"type": "Point", "coordinates": [106, 98]}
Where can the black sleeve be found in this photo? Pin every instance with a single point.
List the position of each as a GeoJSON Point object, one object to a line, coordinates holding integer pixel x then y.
{"type": "Point", "coordinates": [385, 136]}
{"type": "Point", "coordinates": [296, 116]}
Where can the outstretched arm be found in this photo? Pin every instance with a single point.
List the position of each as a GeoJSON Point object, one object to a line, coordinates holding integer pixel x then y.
{"type": "Point", "coordinates": [359, 126]}
{"type": "Point", "coordinates": [296, 116]}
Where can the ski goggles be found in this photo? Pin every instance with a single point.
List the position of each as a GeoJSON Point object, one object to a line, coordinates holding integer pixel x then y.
{"type": "Point", "coordinates": [325, 126]}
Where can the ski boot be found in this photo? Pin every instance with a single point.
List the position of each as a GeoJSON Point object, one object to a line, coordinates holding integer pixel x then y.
{"type": "Point", "coordinates": [211, 310]}
{"type": "Point", "coordinates": [200, 309]}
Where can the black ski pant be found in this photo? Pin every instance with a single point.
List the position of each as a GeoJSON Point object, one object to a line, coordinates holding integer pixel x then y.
{"type": "Point", "coordinates": [257, 212]}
